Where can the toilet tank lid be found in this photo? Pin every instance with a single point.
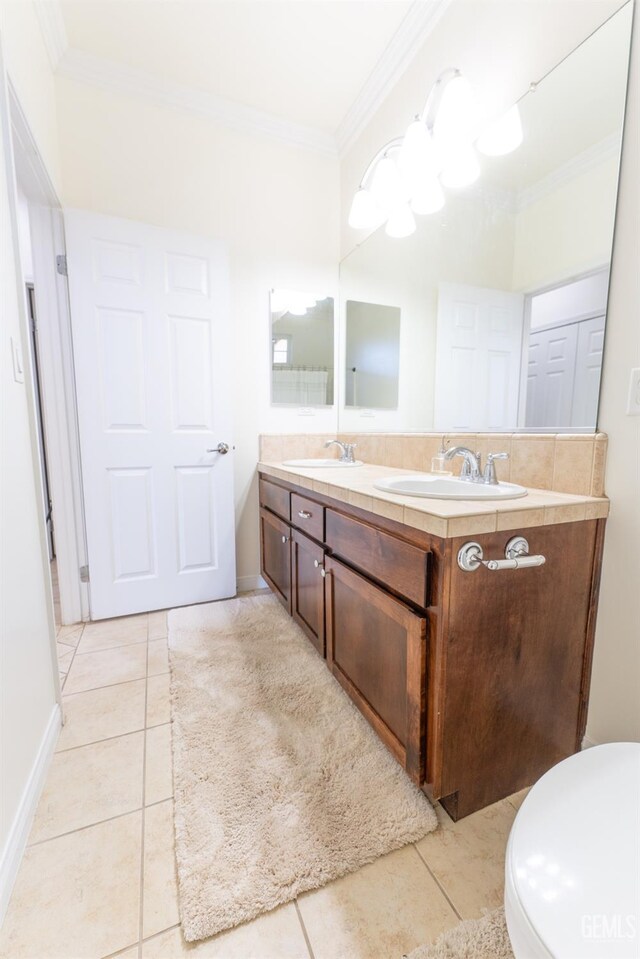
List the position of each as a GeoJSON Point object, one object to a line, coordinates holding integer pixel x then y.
{"type": "Point", "coordinates": [574, 854]}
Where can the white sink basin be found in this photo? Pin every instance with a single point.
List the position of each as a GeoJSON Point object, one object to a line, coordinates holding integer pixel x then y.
{"type": "Point", "coordinates": [447, 487]}
{"type": "Point", "coordinates": [320, 463]}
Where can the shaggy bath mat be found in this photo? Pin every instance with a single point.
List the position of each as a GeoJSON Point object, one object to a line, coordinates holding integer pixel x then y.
{"type": "Point", "coordinates": [485, 938]}
{"type": "Point", "coordinates": [280, 785]}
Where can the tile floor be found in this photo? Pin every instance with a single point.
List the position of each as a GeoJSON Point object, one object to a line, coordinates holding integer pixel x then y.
{"type": "Point", "coordinates": [98, 877]}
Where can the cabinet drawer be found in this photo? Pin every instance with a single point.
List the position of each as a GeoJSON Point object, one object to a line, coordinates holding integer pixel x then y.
{"type": "Point", "coordinates": [275, 498]}
{"type": "Point", "coordinates": [307, 515]}
{"type": "Point", "coordinates": [394, 563]}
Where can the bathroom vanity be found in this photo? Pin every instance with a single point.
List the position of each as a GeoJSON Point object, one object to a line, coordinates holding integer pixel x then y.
{"type": "Point", "coordinates": [477, 681]}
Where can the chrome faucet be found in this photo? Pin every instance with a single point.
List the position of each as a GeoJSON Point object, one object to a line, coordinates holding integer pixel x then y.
{"type": "Point", "coordinates": [346, 450]}
{"type": "Point", "coordinates": [471, 470]}
{"type": "Point", "coordinates": [471, 466]}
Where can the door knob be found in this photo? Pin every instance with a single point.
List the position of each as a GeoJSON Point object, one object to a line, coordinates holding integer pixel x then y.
{"type": "Point", "coordinates": [221, 448]}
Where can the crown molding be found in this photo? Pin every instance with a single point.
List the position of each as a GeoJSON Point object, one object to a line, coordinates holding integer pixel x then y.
{"type": "Point", "coordinates": [576, 166]}
{"type": "Point", "coordinates": [118, 78]}
{"type": "Point", "coordinates": [419, 22]}
{"type": "Point", "coordinates": [53, 30]}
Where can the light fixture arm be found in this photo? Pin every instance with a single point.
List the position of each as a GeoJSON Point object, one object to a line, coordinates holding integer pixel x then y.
{"type": "Point", "coordinates": [394, 144]}
{"type": "Point", "coordinates": [432, 102]}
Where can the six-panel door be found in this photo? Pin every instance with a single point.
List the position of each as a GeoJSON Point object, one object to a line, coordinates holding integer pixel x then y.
{"type": "Point", "coordinates": [307, 585]}
{"type": "Point", "coordinates": [376, 649]}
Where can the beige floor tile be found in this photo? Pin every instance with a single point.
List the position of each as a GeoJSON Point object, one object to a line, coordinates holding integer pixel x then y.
{"type": "Point", "coordinates": [107, 668]}
{"type": "Point", "coordinates": [110, 633]}
{"type": "Point", "coordinates": [518, 798]}
{"type": "Point", "coordinates": [127, 954]}
{"type": "Point", "coordinates": [158, 624]}
{"type": "Point", "coordinates": [275, 935]}
{"type": "Point", "coordinates": [160, 898]}
{"type": "Point", "coordinates": [467, 857]}
{"type": "Point", "coordinates": [65, 655]}
{"type": "Point", "coordinates": [90, 784]}
{"type": "Point", "coordinates": [158, 657]}
{"type": "Point", "coordinates": [158, 700]}
{"type": "Point", "coordinates": [77, 896]}
{"type": "Point", "coordinates": [102, 714]}
{"type": "Point", "coordinates": [385, 909]}
{"type": "Point", "coordinates": [159, 778]}
{"type": "Point", "coordinates": [70, 635]}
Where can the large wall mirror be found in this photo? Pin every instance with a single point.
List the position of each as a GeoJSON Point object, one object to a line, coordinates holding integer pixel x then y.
{"type": "Point", "coordinates": [502, 294]}
{"type": "Point", "coordinates": [302, 354]}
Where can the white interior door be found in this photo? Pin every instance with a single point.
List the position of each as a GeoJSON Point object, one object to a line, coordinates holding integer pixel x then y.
{"type": "Point", "coordinates": [550, 376]}
{"type": "Point", "coordinates": [151, 340]}
{"type": "Point", "coordinates": [478, 358]}
{"type": "Point", "coordinates": [586, 389]}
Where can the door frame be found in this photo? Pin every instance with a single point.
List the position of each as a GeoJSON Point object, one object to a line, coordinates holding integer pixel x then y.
{"type": "Point", "coordinates": [56, 363]}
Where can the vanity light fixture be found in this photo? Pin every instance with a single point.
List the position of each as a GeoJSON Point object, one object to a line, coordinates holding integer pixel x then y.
{"type": "Point", "coordinates": [438, 150]}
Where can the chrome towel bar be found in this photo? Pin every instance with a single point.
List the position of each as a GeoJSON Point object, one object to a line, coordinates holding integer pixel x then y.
{"type": "Point", "coordinates": [470, 556]}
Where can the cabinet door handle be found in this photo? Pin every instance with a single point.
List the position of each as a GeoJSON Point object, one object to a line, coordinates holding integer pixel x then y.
{"type": "Point", "coordinates": [304, 514]}
{"type": "Point", "coordinates": [285, 539]}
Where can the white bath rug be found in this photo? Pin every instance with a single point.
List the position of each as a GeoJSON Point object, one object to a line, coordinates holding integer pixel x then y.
{"type": "Point", "coordinates": [280, 784]}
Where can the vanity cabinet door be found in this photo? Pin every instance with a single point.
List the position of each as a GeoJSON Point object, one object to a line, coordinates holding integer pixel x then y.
{"type": "Point", "coordinates": [307, 587]}
{"type": "Point", "coordinates": [275, 556]}
{"type": "Point", "coordinates": [376, 649]}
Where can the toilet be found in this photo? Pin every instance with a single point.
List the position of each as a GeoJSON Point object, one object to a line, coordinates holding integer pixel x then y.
{"type": "Point", "coordinates": [572, 873]}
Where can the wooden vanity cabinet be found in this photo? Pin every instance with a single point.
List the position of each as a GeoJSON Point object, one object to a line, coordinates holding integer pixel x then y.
{"type": "Point", "coordinates": [307, 588]}
{"type": "Point", "coordinates": [376, 649]}
{"type": "Point", "coordinates": [477, 682]}
{"type": "Point", "coordinates": [275, 556]}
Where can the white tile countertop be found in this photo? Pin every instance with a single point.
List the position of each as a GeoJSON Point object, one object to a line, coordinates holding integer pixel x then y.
{"type": "Point", "coordinates": [446, 518]}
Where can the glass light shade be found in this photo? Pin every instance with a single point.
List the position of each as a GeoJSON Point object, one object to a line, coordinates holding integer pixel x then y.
{"type": "Point", "coordinates": [456, 115]}
{"type": "Point", "coordinates": [365, 212]}
{"type": "Point", "coordinates": [461, 169]}
{"type": "Point", "coordinates": [503, 135]}
{"type": "Point", "coordinates": [388, 186]}
{"type": "Point", "coordinates": [401, 222]}
{"type": "Point", "coordinates": [428, 196]}
{"type": "Point", "coordinates": [418, 154]}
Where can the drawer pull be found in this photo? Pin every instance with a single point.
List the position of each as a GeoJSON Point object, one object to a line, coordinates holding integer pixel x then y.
{"type": "Point", "coordinates": [285, 539]}
{"type": "Point", "coordinates": [470, 557]}
{"type": "Point", "coordinates": [304, 514]}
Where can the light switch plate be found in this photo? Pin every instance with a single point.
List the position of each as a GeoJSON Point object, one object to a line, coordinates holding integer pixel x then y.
{"type": "Point", "coordinates": [633, 403]}
{"type": "Point", "coordinates": [16, 356]}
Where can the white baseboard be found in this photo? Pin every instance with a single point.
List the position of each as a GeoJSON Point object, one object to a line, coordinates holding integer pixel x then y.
{"type": "Point", "coordinates": [245, 583]}
{"type": "Point", "coordinates": [21, 825]}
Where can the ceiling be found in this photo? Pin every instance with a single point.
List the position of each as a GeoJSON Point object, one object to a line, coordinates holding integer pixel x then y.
{"type": "Point", "coordinates": [303, 61]}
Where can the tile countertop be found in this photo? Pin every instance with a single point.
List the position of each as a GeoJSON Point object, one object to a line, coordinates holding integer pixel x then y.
{"type": "Point", "coordinates": [446, 518]}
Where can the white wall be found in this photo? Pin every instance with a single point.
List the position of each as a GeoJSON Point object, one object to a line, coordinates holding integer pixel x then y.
{"type": "Point", "coordinates": [614, 712]}
{"type": "Point", "coordinates": [568, 231]}
{"type": "Point", "coordinates": [30, 72]}
{"type": "Point", "coordinates": [276, 208]}
{"type": "Point", "coordinates": [27, 688]}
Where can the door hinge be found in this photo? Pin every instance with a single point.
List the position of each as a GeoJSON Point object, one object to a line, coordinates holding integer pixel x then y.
{"type": "Point", "coordinates": [61, 265]}
{"type": "Point", "coordinates": [84, 574]}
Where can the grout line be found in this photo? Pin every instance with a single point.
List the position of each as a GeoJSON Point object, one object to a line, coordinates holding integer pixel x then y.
{"type": "Point", "coordinates": [162, 932]}
{"type": "Point", "coordinates": [89, 825]}
{"type": "Point", "coordinates": [119, 952]}
{"type": "Point", "coordinates": [96, 742]}
{"type": "Point", "coordinates": [109, 649]}
{"type": "Point", "coordinates": [304, 929]}
{"type": "Point", "coordinates": [437, 882]}
{"type": "Point", "coordinates": [144, 784]}
{"type": "Point", "coordinates": [63, 682]}
{"type": "Point", "coordinates": [92, 689]}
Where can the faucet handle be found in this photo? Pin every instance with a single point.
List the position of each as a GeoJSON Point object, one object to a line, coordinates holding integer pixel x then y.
{"type": "Point", "coordinates": [490, 476]}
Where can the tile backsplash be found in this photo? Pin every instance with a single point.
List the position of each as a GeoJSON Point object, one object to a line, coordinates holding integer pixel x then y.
{"type": "Point", "coordinates": [565, 462]}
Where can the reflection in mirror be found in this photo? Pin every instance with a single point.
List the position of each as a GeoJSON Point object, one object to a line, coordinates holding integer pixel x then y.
{"type": "Point", "coordinates": [372, 355]}
{"type": "Point", "coordinates": [503, 292]}
{"type": "Point", "coordinates": [301, 349]}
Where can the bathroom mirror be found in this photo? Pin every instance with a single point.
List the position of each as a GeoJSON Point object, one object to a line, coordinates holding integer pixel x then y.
{"type": "Point", "coordinates": [503, 292]}
{"type": "Point", "coordinates": [372, 355]}
{"type": "Point", "coordinates": [302, 338]}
